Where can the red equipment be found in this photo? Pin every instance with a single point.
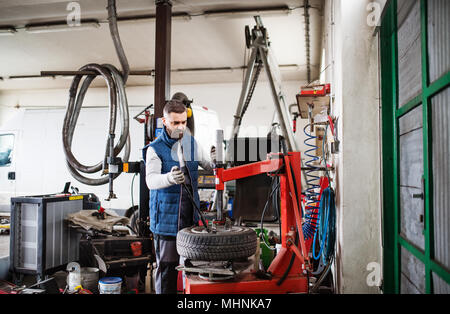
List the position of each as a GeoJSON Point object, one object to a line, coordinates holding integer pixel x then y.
{"type": "Point", "coordinates": [313, 100]}
{"type": "Point", "coordinates": [313, 91]}
{"type": "Point", "coordinates": [288, 168]}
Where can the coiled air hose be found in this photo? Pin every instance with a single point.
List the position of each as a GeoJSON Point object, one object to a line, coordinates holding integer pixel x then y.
{"type": "Point", "coordinates": [326, 229]}
{"type": "Point", "coordinates": [325, 232]}
{"type": "Point", "coordinates": [312, 180]}
{"type": "Point", "coordinates": [115, 82]}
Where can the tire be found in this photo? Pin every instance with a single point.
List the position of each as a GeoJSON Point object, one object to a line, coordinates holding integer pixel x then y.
{"type": "Point", "coordinates": [196, 244]}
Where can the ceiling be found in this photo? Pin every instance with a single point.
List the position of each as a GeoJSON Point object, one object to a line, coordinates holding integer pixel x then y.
{"type": "Point", "coordinates": [202, 40]}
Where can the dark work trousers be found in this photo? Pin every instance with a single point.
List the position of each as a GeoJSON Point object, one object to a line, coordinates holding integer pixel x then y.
{"type": "Point", "coordinates": [167, 257]}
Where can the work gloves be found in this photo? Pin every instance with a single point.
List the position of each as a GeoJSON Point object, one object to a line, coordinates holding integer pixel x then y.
{"type": "Point", "coordinates": [176, 176]}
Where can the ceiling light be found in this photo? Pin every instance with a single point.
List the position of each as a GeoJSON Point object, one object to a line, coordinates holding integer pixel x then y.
{"type": "Point", "coordinates": [204, 70]}
{"type": "Point", "coordinates": [62, 26]}
{"type": "Point", "coordinates": [248, 12]}
{"type": "Point", "coordinates": [28, 77]}
{"type": "Point", "coordinates": [177, 16]}
{"type": "Point", "coordinates": [289, 67]}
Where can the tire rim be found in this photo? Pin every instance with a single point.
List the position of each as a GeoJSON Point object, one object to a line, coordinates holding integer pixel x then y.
{"type": "Point", "coordinates": [220, 229]}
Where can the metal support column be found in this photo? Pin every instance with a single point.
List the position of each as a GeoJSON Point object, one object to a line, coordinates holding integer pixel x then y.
{"type": "Point", "coordinates": [162, 56]}
{"type": "Point", "coordinates": [144, 206]}
{"type": "Point", "coordinates": [283, 114]}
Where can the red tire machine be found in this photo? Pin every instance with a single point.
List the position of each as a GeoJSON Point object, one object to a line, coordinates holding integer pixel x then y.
{"type": "Point", "coordinates": [289, 269]}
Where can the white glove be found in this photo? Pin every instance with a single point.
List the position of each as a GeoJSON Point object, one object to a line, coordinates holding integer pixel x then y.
{"type": "Point", "coordinates": [176, 176]}
{"type": "Point", "coordinates": [213, 154]}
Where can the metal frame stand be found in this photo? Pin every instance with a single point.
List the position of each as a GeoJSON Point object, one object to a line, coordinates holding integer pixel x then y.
{"type": "Point", "coordinates": [261, 56]}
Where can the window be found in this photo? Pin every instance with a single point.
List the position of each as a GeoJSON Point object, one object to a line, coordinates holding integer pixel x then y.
{"type": "Point", "coordinates": [6, 147]}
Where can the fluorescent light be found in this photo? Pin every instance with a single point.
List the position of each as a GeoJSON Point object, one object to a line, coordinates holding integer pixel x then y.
{"type": "Point", "coordinates": [289, 67]}
{"type": "Point", "coordinates": [204, 70]}
{"type": "Point", "coordinates": [248, 12]}
{"type": "Point", "coordinates": [180, 16]}
{"type": "Point", "coordinates": [7, 31]}
{"type": "Point", "coordinates": [58, 27]}
{"type": "Point", "coordinates": [28, 77]}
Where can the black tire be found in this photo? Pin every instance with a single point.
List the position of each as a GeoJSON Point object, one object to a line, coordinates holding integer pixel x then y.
{"type": "Point", "coordinates": [196, 244]}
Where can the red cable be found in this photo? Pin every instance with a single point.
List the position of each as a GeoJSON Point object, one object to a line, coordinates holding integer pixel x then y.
{"type": "Point", "coordinates": [331, 125]}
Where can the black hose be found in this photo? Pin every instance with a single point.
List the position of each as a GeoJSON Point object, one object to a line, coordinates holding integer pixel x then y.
{"type": "Point", "coordinates": [112, 19]}
{"type": "Point", "coordinates": [191, 198]}
{"type": "Point", "coordinates": [263, 213]}
{"type": "Point", "coordinates": [291, 262]}
{"type": "Point", "coordinates": [322, 276]}
{"type": "Point", "coordinates": [251, 90]}
{"type": "Point", "coordinates": [117, 103]}
{"type": "Point", "coordinates": [116, 91]}
{"type": "Point", "coordinates": [273, 192]}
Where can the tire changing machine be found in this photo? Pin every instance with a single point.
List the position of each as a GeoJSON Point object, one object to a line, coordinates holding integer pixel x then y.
{"type": "Point", "coordinates": [288, 272]}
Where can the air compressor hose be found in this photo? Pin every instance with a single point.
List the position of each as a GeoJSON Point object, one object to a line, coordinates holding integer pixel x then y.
{"type": "Point", "coordinates": [118, 104]}
{"type": "Point", "coordinates": [312, 181]}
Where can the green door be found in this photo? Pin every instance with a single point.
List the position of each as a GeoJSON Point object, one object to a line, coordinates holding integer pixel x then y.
{"type": "Point", "coordinates": [415, 80]}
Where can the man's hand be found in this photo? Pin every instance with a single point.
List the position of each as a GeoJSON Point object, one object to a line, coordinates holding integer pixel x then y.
{"type": "Point", "coordinates": [176, 176]}
{"type": "Point", "coordinates": [213, 154]}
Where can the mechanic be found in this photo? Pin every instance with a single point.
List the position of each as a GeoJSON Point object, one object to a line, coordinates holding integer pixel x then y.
{"type": "Point", "coordinates": [170, 208]}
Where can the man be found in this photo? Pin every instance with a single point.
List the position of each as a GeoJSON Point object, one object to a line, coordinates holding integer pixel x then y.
{"type": "Point", "coordinates": [172, 161]}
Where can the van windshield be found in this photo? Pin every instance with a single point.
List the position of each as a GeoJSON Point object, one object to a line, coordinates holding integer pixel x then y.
{"type": "Point", "coordinates": [6, 147]}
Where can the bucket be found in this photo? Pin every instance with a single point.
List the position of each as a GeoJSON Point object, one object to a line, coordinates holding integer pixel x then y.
{"type": "Point", "coordinates": [136, 248]}
{"type": "Point", "coordinates": [110, 285]}
{"type": "Point", "coordinates": [87, 277]}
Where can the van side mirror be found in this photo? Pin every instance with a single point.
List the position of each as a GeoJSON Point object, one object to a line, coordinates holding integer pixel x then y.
{"type": "Point", "coordinates": [11, 175]}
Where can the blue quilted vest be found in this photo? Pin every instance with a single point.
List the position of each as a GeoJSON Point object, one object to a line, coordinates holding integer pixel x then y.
{"type": "Point", "coordinates": [165, 203]}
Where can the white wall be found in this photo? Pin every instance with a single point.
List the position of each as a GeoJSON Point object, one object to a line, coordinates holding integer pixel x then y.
{"type": "Point", "coordinates": [5, 113]}
{"type": "Point", "coordinates": [351, 51]}
{"type": "Point", "coordinates": [222, 98]}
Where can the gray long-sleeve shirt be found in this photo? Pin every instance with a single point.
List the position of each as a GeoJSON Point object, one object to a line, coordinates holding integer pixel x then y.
{"type": "Point", "coordinates": [156, 180]}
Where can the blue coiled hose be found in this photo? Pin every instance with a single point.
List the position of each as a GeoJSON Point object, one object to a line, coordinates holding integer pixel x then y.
{"type": "Point", "coordinates": [312, 182]}
{"type": "Point", "coordinates": [326, 231]}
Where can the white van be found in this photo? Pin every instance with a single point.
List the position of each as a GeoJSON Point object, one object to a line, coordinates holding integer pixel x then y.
{"type": "Point", "coordinates": [32, 160]}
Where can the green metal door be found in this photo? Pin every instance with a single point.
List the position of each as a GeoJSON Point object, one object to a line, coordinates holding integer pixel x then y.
{"type": "Point", "coordinates": [415, 86]}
